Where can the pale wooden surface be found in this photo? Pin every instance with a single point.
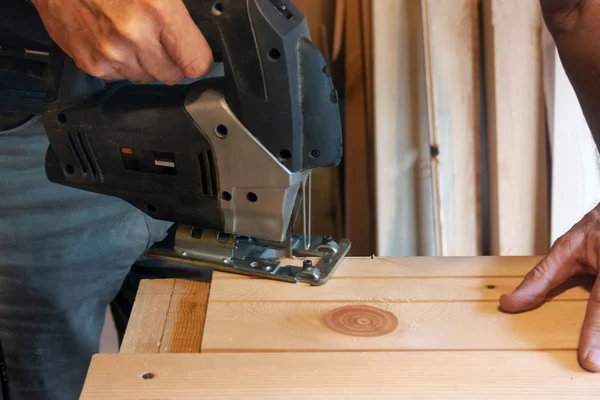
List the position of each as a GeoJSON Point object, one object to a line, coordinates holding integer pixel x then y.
{"type": "Point", "coordinates": [451, 42]}
{"type": "Point", "coordinates": [404, 206]}
{"type": "Point", "coordinates": [516, 129]}
{"type": "Point", "coordinates": [368, 376]}
{"type": "Point", "coordinates": [381, 328]}
{"type": "Point", "coordinates": [167, 317]}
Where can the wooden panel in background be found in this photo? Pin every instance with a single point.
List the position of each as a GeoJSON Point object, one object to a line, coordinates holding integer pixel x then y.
{"type": "Point", "coordinates": [451, 42]}
{"type": "Point", "coordinates": [516, 128]}
{"type": "Point", "coordinates": [368, 376]}
{"type": "Point", "coordinates": [404, 207]}
{"type": "Point", "coordinates": [358, 155]}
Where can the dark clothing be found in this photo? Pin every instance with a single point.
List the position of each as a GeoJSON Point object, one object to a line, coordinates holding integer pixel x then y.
{"type": "Point", "coordinates": [64, 253]}
{"type": "Point", "coordinates": [21, 26]}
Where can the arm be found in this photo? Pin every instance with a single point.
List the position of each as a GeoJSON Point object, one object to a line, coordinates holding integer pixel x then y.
{"type": "Point", "coordinates": [575, 26]}
{"type": "Point", "coordinates": [138, 40]}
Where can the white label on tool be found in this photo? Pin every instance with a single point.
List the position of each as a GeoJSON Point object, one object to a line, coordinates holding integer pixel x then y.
{"type": "Point", "coordinates": [168, 164]}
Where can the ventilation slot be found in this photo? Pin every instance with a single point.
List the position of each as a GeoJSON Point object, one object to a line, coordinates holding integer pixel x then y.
{"type": "Point", "coordinates": [208, 174]}
{"type": "Point", "coordinates": [85, 155]}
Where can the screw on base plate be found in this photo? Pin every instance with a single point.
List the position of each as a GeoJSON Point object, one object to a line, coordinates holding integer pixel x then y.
{"type": "Point", "coordinates": [307, 265]}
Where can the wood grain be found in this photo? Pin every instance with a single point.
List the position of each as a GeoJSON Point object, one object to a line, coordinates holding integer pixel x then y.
{"type": "Point", "coordinates": [148, 317]}
{"type": "Point", "coordinates": [413, 267]}
{"type": "Point", "coordinates": [368, 376]}
{"type": "Point", "coordinates": [516, 129]}
{"type": "Point", "coordinates": [358, 152]}
{"type": "Point", "coordinates": [299, 326]}
{"type": "Point", "coordinates": [388, 290]}
{"type": "Point", "coordinates": [404, 205]}
{"type": "Point", "coordinates": [452, 70]}
{"type": "Point", "coordinates": [380, 329]}
{"type": "Point", "coordinates": [235, 327]}
{"type": "Point", "coordinates": [167, 317]}
{"type": "Point", "coordinates": [184, 326]}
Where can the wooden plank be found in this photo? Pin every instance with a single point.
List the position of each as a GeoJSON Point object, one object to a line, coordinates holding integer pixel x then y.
{"type": "Point", "coordinates": [387, 290]}
{"type": "Point", "coordinates": [167, 317]}
{"type": "Point", "coordinates": [516, 128]}
{"type": "Point", "coordinates": [148, 317]}
{"type": "Point", "coordinates": [184, 326]}
{"type": "Point", "coordinates": [415, 267]}
{"type": "Point", "coordinates": [575, 178]}
{"type": "Point", "coordinates": [358, 199]}
{"type": "Point", "coordinates": [452, 70]}
{"type": "Point", "coordinates": [404, 208]}
{"type": "Point", "coordinates": [372, 376]}
{"type": "Point", "coordinates": [303, 326]}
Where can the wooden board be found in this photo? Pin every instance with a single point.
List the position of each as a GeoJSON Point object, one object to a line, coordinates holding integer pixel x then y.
{"type": "Point", "coordinates": [451, 43]}
{"type": "Point", "coordinates": [382, 328]}
{"type": "Point", "coordinates": [358, 148]}
{"type": "Point", "coordinates": [167, 317]}
{"type": "Point", "coordinates": [516, 130]}
{"type": "Point", "coordinates": [404, 205]}
{"type": "Point", "coordinates": [369, 376]}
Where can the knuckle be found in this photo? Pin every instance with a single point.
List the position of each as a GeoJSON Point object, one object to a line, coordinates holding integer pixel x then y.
{"type": "Point", "coordinates": [108, 50]}
{"type": "Point", "coordinates": [148, 12]}
{"type": "Point", "coordinates": [130, 30]}
{"type": "Point", "coordinates": [541, 272]}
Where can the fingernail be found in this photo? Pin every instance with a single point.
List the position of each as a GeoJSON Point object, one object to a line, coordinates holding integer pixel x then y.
{"type": "Point", "coordinates": [593, 356]}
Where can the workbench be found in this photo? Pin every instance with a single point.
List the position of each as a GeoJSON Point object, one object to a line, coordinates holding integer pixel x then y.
{"type": "Point", "coordinates": [382, 328]}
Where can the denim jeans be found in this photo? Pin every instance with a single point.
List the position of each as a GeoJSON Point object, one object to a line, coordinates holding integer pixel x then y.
{"type": "Point", "coordinates": [64, 254]}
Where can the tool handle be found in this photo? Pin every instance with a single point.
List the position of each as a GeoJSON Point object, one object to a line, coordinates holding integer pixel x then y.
{"type": "Point", "coordinates": [276, 80]}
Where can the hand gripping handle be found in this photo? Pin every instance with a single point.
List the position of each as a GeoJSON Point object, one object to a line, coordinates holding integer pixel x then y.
{"type": "Point", "coordinates": [276, 80]}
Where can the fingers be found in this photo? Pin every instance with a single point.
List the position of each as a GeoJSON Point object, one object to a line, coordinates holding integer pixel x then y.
{"type": "Point", "coordinates": [589, 341]}
{"type": "Point", "coordinates": [124, 63]}
{"type": "Point", "coordinates": [554, 269]}
{"type": "Point", "coordinates": [159, 64]}
{"type": "Point", "coordinates": [186, 45]}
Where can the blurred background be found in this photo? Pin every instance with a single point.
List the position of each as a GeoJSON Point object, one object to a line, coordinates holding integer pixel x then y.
{"type": "Point", "coordinates": [462, 133]}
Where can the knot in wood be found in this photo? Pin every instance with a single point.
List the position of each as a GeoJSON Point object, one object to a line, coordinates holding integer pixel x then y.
{"type": "Point", "coordinates": [361, 320]}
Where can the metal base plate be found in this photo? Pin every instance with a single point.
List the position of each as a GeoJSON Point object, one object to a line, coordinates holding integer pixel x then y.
{"type": "Point", "coordinates": [292, 261]}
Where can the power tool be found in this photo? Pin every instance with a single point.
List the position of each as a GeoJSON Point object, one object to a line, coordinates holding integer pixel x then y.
{"type": "Point", "coordinates": [228, 159]}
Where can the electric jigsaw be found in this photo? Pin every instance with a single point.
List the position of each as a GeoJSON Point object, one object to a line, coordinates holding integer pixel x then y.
{"type": "Point", "coordinates": [228, 159]}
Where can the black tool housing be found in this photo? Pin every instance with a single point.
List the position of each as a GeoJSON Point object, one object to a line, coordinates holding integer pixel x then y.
{"type": "Point", "coordinates": [122, 139]}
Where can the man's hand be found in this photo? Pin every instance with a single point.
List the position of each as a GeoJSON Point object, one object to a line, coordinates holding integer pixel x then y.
{"type": "Point", "coordinates": [576, 253]}
{"type": "Point", "coordinates": [137, 40]}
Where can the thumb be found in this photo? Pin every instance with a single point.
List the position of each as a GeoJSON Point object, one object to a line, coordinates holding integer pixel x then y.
{"type": "Point", "coordinates": [589, 341]}
{"type": "Point", "coordinates": [554, 269]}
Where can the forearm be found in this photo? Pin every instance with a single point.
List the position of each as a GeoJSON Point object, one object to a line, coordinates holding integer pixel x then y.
{"type": "Point", "coordinates": [575, 26]}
